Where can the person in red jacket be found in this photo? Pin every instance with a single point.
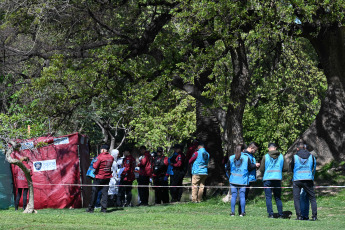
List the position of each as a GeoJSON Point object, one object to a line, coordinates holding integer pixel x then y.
{"type": "Point", "coordinates": [21, 183]}
{"type": "Point", "coordinates": [103, 174]}
{"type": "Point", "coordinates": [160, 166]}
{"type": "Point", "coordinates": [145, 171]}
{"type": "Point", "coordinates": [178, 163]}
{"type": "Point", "coordinates": [127, 178]}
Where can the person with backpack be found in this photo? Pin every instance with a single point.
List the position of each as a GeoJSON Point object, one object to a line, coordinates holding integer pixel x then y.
{"type": "Point", "coordinates": [160, 166]}
{"type": "Point", "coordinates": [303, 166]}
{"type": "Point", "coordinates": [240, 167]}
{"type": "Point", "coordinates": [199, 162]}
{"type": "Point", "coordinates": [127, 177]}
{"type": "Point", "coordinates": [272, 166]}
{"type": "Point", "coordinates": [145, 172]}
{"type": "Point", "coordinates": [178, 163]}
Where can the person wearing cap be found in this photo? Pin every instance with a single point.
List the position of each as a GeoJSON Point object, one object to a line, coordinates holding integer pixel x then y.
{"type": "Point", "coordinates": [199, 162]}
{"type": "Point", "coordinates": [178, 169]}
{"type": "Point", "coordinates": [127, 178]}
{"type": "Point", "coordinates": [145, 172]}
{"type": "Point", "coordinates": [160, 166]}
{"type": "Point", "coordinates": [114, 180]}
{"type": "Point", "coordinates": [272, 166]}
{"type": "Point", "coordinates": [103, 173]}
{"type": "Point", "coordinates": [249, 152]}
{"type": "Point", "coordinates": [303, 166]}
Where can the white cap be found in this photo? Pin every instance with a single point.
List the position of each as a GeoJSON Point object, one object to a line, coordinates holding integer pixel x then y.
{"type": "Point", "coordinates": [114, 153]}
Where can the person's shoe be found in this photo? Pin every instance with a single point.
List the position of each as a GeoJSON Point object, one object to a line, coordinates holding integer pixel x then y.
{"type": "Point", "coordinates": [314, 218]}
{"type": "Point", "coordinates": [299, 218]}
{"type": "Point", "coordinates": [305, 218]}
{"type": "Point", "coordinates": [242, 214]}
{"type": "Point", "coordinates": [97, 207]}
{"type": "Point", "coordinates": [89, 210]}
{"type": "Point", "coordinates": [103, 211]}
{"type": "Point", "coordinates": [270, 216]}
{"type": "Point", "coordinates": [232, 214]}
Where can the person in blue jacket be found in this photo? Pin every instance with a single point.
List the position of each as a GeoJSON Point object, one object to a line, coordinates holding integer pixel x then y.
{"type": "Point", "coordinates": [240, 166]}
{"type": "Point", "coordinates": [303, 166]}
{"type": "Point", "coordinates": [250, 151]}
{"type": "Point", "coordinates": [272, 166]}
{"type": "Point", "coordinates": [199, 161]}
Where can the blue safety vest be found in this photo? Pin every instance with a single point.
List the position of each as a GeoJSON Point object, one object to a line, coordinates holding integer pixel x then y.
{"type": "Point", "coordinates": [201, 162]}
{"type": "Point", "coordinates": [273, 168]}
{"type": "Point", "coordinates": [239, 170]}
{"type": "Point", "coordinates": [252, 173]}
{"type": "Point", "coordinates": [304, 169]}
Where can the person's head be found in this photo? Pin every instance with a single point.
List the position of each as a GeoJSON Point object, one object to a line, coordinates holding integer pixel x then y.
{"type": "Point", "coordinates": [201, 145]}
{"type": "Point", "coordinates": [142, 149]}
{"type": "Point", "coordinates": [177, 148]}
{"type": "Point", "coordinates": [239, 148]}
{"type": "Point", "coordinates": [300, 145]}
{"type": "Point", "coordinates": [272, 147]}
{"type": "Point", "coordinates": [114, 153]}
{"type": "Point", "coordinates": [159, 151]}
{"type": "Point", "coordinates": [126, 152]}
{"type": "Point", "coordinates": [252, 147]}
{"type": "Point", "coordinates": [104, 148]}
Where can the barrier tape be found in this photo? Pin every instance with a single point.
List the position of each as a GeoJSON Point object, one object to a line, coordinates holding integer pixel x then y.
{"type": "Point", "coordinates": [183, 186]}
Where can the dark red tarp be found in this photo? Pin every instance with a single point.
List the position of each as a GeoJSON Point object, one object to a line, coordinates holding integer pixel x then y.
{"type": "Point", "coordinates": [64, 160]}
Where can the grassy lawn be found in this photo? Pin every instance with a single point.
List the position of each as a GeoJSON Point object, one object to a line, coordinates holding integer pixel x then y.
{"type": "Point", "coordinates": [212, 214]}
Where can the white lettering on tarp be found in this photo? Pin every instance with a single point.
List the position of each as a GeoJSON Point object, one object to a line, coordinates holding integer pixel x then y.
{"type": "Point", "coordinates": [61, 141]}
{"type": "Point", "coordinates": [44, 165]}
{"type": "Point", "coordinates": [27, 145]}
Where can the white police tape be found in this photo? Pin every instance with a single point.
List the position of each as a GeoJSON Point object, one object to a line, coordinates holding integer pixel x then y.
{"type": "Point", "coordinates": [183, 186]}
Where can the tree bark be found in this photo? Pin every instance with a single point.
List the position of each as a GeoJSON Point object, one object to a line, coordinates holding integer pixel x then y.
{"type": "Point", "coordinates": [326, 134]}
{"type": "Point", "coordinates": [30, 206]}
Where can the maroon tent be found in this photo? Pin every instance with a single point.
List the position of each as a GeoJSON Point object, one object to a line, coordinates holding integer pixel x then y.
{"type": "Point", "coordinates": [59, 164]}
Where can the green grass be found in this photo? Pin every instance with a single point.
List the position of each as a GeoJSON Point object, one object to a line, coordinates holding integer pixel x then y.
{"type": "Point", "coordinates": [212, 214]}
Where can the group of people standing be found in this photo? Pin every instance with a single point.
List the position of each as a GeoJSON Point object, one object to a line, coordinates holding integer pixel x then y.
{"type": "Point", "coordinates": [114, 176]}
{"type": "Point", "coordinates": [241, 170]}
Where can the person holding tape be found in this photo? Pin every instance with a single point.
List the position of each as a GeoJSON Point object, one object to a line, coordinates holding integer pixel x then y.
{"type": "Point", "coordinates": [272, 166]}
{"type": "Point", "coordinates": [303, 166]}
{"type": "Point", "coordinates": [103, 173]}
{"type": "Point", "coordinates": [240, 167]}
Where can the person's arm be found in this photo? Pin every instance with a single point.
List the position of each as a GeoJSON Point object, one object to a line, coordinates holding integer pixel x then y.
{"type": "Point", "coordinates": [97, 162]}
{"type": "Point", "coordinates": [143, 162]}
{"type": "Point", "coordinates": [193, 158]}
{"type": "Point", "coordinates": [262, 165]}
{"type": "Point", "coordinates": [251, 166]}
{"type": "Point", "coordinates": [178, 161]}
{"type": "Point", "coordinates": [292, 163]}
{"type": "Point", "coordinates": [285, 165]}
{"type": "Point", "coordinates": [166, 162]}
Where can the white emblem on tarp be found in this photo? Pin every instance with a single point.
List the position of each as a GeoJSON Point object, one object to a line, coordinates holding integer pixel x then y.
{"type": "Point", "coordinates": [44, 165]}
{"type": "Point", "coordinates": [61, 141]}
{"type": "Point", "coordinates": [27, 145]}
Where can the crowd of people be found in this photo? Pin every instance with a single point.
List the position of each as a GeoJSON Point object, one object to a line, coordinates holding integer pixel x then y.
{"type": "Point", "coordinates": [241, 170]}
{"type": "Point", "coordinates": [113, 177]}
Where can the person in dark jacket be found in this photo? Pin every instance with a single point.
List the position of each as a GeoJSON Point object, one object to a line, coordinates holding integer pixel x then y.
{"type": "Point", "coordinates": [145, 172]}
{"type": "Point", "coordinates": [127, 178]}
{"type": "Point", "coordinates": [160, 166]}
{"type": "Point", "coordinates": [303, 166]}
{"type": "Point", "coordinates": [272, 166]}
{"type": "Point", "coordinates": [103, 174]}
{"type": "Point", "coordinates": [176, 179]}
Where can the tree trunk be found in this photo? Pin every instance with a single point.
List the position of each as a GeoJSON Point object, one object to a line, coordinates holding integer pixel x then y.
{"type": "Point", "coordinates": [30, 205]}
{"type": "Point", "coordinates": [208, 131]}
{"type": "Point", "coordinates": [326, 134]}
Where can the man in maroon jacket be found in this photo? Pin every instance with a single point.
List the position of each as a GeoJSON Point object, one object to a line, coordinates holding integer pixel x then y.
{"type": "Point", "coordinates": [178, 163]}
{"type": "Point", "coordinates": [103, 174]}
{"type": "Point", "coordinates": [21, 183]}
{"type": "Point", "coordinates": [145, 171]}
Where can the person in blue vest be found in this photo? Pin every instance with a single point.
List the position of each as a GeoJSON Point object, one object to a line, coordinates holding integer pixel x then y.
{"type": "Point", "coordinates": [199, 161]}
{"type": "Point", "coordinates": [303, 166]}
{"type": "Point", "coordinates": [250, 151]}
{"type": "Point", "coordinates": [240, 166]}
{"type": "Point", "coordinates": [272, 166]}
